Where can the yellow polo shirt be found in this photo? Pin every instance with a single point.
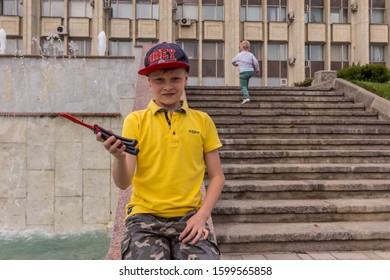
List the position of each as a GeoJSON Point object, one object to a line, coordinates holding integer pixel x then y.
{"type": "Point", "coordinates": [170, 164]}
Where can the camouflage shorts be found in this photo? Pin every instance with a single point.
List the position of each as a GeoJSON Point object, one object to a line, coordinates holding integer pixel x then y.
{"type": "Point", "coordinates": [148, 237]}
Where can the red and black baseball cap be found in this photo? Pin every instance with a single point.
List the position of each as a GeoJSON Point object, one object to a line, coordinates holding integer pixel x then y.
{"type": "Point", "coordinates": [164, 56]}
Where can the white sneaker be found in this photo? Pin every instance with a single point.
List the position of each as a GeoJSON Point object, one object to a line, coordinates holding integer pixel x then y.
{"type": "Point", "coordinates": [246, 100]}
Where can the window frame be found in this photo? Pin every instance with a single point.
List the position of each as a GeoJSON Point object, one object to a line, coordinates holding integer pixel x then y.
{"type": "Point", "coordinates": [17, 8]}
{"type": "Point", "coordinates": [383, 53]}
{"type": "Point", "coordinates": [153, 10]}
{"type": "Point", "coordinates": [281, 11]}
{"type": "Point", "coordinates": [87, 9]}
{"type": "Point", "coordinates": [52, 11]}
{"type": "Point", "coordinates": [315, 7]}
{"type": "Point", "coordinates": [245, 8]}
{"type": "Point", "coordinates": [217, 59]}
{"type": "Point", "coordinates": [377, 9]}
{"type": "Point", "coordinates": [118, 9]}
{"type": "Point", "coordinates": [217, 9]}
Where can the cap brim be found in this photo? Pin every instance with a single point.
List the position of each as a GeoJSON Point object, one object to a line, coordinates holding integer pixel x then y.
{"type": "Point", "coordinates": [163, 65]}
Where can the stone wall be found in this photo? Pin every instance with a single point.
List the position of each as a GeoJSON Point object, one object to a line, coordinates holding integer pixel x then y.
{"type": "Point", "coordinates": [54, 176]}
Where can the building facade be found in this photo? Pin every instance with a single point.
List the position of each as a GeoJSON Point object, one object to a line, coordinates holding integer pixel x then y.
{"type": "Point", "coordinates": [292, 39]}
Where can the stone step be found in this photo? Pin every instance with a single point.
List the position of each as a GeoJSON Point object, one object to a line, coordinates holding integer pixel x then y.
{"type": "Point", "coordinates": [302, 210]}
{"type": "Point", "coordinates": [313, 123]}
{"type": "Point", "coordinates": [309, 132]}
{"type": "Point", "coordinates": [257, 106]}
{"type": "Point", "coordinates": [304, 156]}
{"type": "Point", "coordinates": [270, 98]}
{"type": "Point", "coordinates": [306, 170]}
{"type": "Point", "coordinates": [290, 113]}
{"type": "Point", "coordinates": [220, 93]}
{"type": "Point", "coordinates": [315, 171]}
{"type": "Point", "coordinates": [304, 144]}
{"type": "Point", "coordinates": [300, 237]}
{"type": "Point", "coordinates": [305, 189]}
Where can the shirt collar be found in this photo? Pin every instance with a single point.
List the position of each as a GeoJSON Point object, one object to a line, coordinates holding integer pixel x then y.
{"type": "Point", "coordinates": [155, 108]}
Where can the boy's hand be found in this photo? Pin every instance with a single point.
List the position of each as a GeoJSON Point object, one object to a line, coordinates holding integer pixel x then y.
{"type": "Point", "coordinates": [195, 230]}
{"type": "Point", "coordinates": [113, 146]}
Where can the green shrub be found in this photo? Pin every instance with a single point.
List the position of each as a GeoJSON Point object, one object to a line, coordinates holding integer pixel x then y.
{"type": "Point", "coordinates": [305, 83]}
{"type": "Point", "coordinates": [375, 73]}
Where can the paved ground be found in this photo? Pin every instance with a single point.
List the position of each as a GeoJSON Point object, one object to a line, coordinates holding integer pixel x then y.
{"type": "Point", "coordinates": [331, 255]}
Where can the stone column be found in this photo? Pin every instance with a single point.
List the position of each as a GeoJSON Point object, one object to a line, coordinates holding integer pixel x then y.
{"type": "Point", "coordinates": [31, 26]}
{"type": "Point", "coordinates": [296, 41]}
{"type": "Point", "coordinates": [166, 21]}
{"type": "Point", "coordinates": [232, 40]}
{"type": "Point", "coordinates": [360, 46]}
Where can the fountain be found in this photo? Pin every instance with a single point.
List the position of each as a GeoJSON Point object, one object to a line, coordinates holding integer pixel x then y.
{"type": "Point", "coordinates": [51, 186]}
{"type": "Point", "coordinates": [102, 43]}
{"type": "Point", "coordinates": [3, 41]}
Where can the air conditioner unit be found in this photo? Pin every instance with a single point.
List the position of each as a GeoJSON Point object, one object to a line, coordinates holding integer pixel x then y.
{"type": "Point", "coordinates": [354, 7]}
{"type": "Point", "coordinates": [307, 63]}
{"type": "Point", "coordinates": [291, 16]}
{"type": "Point", "coordinates": [283, 82]}
{"type": "Point", "coordinates": [291, 61]}
{"type": "Point", "coordinates": [62, 30]}
{"type": "Point", "coordinates": [107, 4]}
{"type": "Point", "coordinates": [185, 21]}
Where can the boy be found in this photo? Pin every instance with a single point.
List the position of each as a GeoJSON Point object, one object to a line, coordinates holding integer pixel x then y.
{"type": "Point", "coordinates": [248, 65]}
{"type": "Point", "coordinates": [166, 218]}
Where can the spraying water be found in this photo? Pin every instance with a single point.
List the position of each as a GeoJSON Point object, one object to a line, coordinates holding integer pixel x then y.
{"type": "Point", "coordinates": [3, 41]}
{"type": "Point", "coordinates": [102, 43]}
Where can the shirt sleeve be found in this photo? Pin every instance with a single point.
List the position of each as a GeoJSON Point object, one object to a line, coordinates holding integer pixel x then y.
{"type": "Point", "coordinates": [234, 60]}
{"type": "Point", "coordinates": [212, 141]}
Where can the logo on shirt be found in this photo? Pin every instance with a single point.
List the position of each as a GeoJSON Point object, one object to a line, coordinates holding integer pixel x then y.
{"type": "Point", "coordinates": [193, 131]}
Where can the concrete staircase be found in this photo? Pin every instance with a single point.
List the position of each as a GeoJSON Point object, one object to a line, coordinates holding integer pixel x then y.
{"type": "Point", "coordinates": [306, 170]}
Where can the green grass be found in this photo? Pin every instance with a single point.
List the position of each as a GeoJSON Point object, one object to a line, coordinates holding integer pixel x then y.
{"type": "Point", "coordinates": [381, 89]}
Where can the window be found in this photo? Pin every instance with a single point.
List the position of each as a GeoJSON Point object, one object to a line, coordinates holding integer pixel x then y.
{"type": "Point", "coordinates": [213, 62]}
{"type": "Point", "coordinates": [315, 52]}
{"type": "Point", "coordinates": [52, 46]}
{"type": "Point", "coordinates": [187, 9]}
{"type": "Point", "coordinates": [79, 47]}
{"type": "Point", "coordinates": [251, 10]}
{"type": "Point", "coordinates": [52, 8]}
{"type": "Point", "coordinates": [11, 8]}
{"type": "Point", "coordinates": [339, 11]}
{"type": "Point", "coordinates": [80, 8]}
{"type": "Point", "coordinates": [120, 48]}
{"type": "Point", "coordinates": [257, 50]}
{"type": "Point", "coordinates": [377, 11]}
{"type": "Point", "coordinates": [276, 10]}
{"type": "Point", "coordinates": [277, 51]}
{"type": "Point", "coordinates": [377, 54]}
{"type": "Point", "coordinates": [122, 9]}
{"type": "Point", "coordinates": [191, 49]}
{"type": "Point", "coordinates": [14, 46]}
{"type": "Point", "coordinates": [339, 52]}
{"type": "Point", "coordinates": [277, 63]}
{"type": "Point", "coordinates": [212, 9]}
{"type": "Point", "coordinates": [314, 59]}
{"type": "Point", "coordinates": [315, 11]}
{"type": "Point", "coordinates": [147, 9]}
{"type": "Point", "coordinates": [339, 56]}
